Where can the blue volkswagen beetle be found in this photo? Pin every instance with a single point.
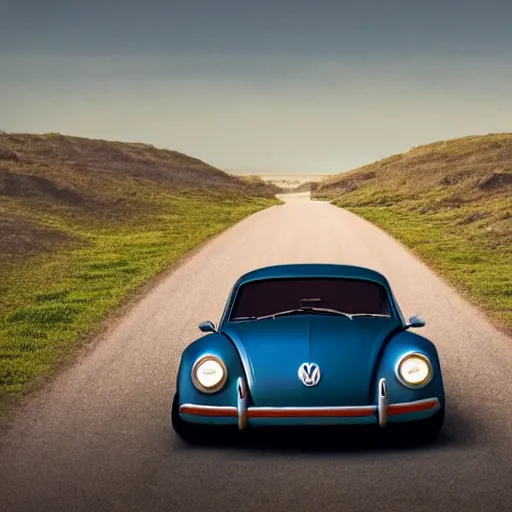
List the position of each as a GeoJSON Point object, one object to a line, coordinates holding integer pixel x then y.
{"type": "Point", "coordinates": [310, 344]}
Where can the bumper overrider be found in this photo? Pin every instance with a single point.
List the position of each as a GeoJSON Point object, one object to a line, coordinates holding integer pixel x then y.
{"type": "Point", "coordinates": [382, 413]}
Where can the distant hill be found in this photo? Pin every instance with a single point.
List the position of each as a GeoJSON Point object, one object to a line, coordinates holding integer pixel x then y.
{"type": "Point", "coordinates": [473, 172]}
{"type": "Point", "coordinates": [451, 202]}
{"type": "Point", "coordinates": [96, 180]}
{"type": "Point", "coordinates": [289, 182]}
{"type": "Point", "coordinates": [450, 172]}
{"type": "Point", "coordinates": [70, 163]}
{"type": "Point", "coordinates": [307, 186]}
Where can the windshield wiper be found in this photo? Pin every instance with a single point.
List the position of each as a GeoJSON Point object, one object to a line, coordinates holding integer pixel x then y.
{"type": "Point", "coordinates": [371, 315]}
{"type": "Point", "coordinates": [313, 310]}
{"type": "Point", "coordinates": [322, 311]}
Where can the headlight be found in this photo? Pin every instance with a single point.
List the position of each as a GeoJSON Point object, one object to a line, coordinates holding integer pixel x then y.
{"type": "Point", "coordinates": [415, 370]}
{"type": "Point", "coordinates": [209, 374]}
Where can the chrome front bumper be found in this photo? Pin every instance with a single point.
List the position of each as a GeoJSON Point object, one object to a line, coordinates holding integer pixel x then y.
{"type": "Point", "coordinates": [378, 414]}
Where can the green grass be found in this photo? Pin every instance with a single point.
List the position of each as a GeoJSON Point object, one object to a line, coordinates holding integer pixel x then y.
{"type": "Point", "coordinates": [56, 292]}
{"type": "Point", "coordinates": [483, 274]}
{"type": "Point", "coordinates": [53, 299]}
{"type": "Point", "coordinates": [451, 204]}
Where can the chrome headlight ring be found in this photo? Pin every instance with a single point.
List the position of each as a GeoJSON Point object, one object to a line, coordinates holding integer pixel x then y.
{"type": "Point", "coordinates": [209, 374]}
{"type": "Point", "coordinates": [418, 363]}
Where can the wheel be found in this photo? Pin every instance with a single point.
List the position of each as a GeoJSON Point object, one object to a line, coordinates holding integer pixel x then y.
{"type": "Point", "coordinates": [190, 433]}
{"type": "Point", "coordinates": [199, 434]}
{"type": "Point", "coordinates": [421, 432]}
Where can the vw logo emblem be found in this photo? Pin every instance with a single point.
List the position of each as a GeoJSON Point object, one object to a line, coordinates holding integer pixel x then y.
{"type": "Point", "coordinates": [309, 374]}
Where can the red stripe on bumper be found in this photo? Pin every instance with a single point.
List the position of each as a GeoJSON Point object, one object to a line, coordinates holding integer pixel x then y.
{"type": "Point", "coordinates": [205, 410]}
{"type": "Point", "coordinates": [422, 405]}
{"type": "Point", "coordinates": [348, 412]}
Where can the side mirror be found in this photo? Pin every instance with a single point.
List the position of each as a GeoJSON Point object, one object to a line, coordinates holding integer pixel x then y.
{"type": "Point", "coordinates": [207, 326]}
{"type": "Point", "coordinates": [415, 322]}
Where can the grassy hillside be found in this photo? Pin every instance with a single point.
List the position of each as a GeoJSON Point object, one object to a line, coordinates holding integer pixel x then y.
{"type": "Point", "coordinates": [83, 223]}
{"type": "Point", "coordinates": [451, 202]}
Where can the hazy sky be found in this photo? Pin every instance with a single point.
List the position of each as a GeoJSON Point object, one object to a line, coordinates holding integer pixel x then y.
{"type": "Point", "coordinates": [269, 85]}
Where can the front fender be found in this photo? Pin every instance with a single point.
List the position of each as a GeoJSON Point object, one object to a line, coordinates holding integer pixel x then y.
{"type": "Point", "coordinates": [220, 346]}
{"type": "Point", "coordinates": [401, 344]}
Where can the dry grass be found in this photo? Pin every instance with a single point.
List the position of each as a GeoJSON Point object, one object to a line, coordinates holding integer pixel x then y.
{"type": "Point", "coordinates": [451, 202]}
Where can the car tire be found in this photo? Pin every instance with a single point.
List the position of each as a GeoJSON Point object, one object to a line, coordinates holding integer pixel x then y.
{"type": "Point", "coordinates": [190, 433]}
{"type": "Point", "coordinates": [421, 432]}
{"type": "Point", "coordinates": [193, 433]}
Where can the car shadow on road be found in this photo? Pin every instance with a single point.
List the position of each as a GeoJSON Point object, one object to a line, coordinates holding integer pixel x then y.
{"type": "Point", "coordinates": [458, 431]}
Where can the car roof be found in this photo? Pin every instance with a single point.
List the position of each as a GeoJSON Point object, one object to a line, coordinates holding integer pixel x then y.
{"type": "Point", "coordinates": [313, 270]}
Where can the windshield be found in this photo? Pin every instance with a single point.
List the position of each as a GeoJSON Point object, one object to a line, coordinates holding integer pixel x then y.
{"type": "Point", "coordinates": [268, 297]}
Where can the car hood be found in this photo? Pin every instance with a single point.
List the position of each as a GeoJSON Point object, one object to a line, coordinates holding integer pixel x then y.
{"type": "Point", "coordinates": [273, 350]}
